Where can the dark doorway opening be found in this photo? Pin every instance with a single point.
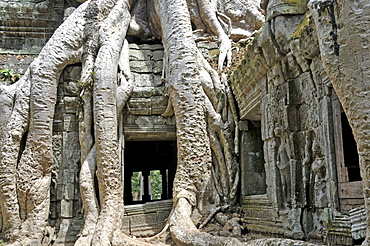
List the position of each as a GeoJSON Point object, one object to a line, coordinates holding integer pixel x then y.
{"type": "Point", "coordinates": [252, 160]}
{"type": "Point", "coordinates": [149, 170]}
{"type": "Point", "coordinates": [350, 189]}
{"type": "Point", "coordinates": [351, 159]}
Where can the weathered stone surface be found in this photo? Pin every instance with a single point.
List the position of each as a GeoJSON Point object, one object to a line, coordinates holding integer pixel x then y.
{"type": "Point", "coordinates": [142, 66]}
{"type": "Point", "coordinates": [282, 27]}
{"type": "Point", "coordinates": [158, 55]}
{"type": "Point", "coordinates": [144, 220]}
{"type": "Point", "coordinates": [66, 209]}
{"type": "Point", "coordinates": [71, 104]}
{"type": "Point", "coordinates": [19, 63]}
{"type": "Point", "coordinates": [358, 218]}
{"type": "Point", "coordinates": [27, 25]}
{"type": "Point", "coordinates": [139, 127]}
{"type": "Point", "coordinates": [285, 7]}
{"type": "Point", "coordinates": [298, 121]}
{"type": "Point", "coordinates": [271, 50]}
{"type": "Point", "coordinates": [140, 55]}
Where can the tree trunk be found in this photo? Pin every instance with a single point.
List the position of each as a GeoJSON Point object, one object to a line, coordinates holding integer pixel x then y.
{"type": "Point", "coordinates": [25, 174]}
{"type": "Point", "coordinates": [193, 175]}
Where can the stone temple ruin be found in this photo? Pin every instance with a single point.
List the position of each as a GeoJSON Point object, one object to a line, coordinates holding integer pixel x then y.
{"type": "Point", "coordinates": [300, 169]}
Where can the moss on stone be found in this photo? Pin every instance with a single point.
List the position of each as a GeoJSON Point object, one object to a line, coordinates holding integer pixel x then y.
{"type": "Point", "coordinates": [305, 22]}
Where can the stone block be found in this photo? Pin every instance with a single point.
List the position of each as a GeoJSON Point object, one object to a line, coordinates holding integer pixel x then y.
{"type": "Point", "coordinates": [69, 190]}
{"type": "Point", "coordinates": [291, 118]}
{"type": "Point", "coordinates": [285, 7]}
{"type": "Point", "coordinates": [269, 150]}
{"type": "Point", "coordinates": [158, 55]}
{"type": "Point", "coordinates": [71, 150]}
{"type": "Point", "coordinates": [69, 176]}
{"type": "Point", "coordinates": [213, 53]}
{"type": "Point", "coordinates": [126, 224]}
{"type": "Point", "coordinates": [133, 46]}
{"type": "Point", "coordinates": [145, 219]}
{"type": "Point", "coordinates": [271, 51]}
{"type": "Point", "coordinates": [70, 89]}
{"type": "Point", "coordinates": [308, 89]}
{"type": "Point", "coordinates": [209, 45]}
{"type": "Point", "coordinates": [162, 216]}
{"type": "Point", "coordinates": [147, 80]}
{"type": "Point", "coordinates": [53, 210]}
{"type": "Point", "coordinates": [319, 76]}
{"type": "Point", "coordinates": [147, 92]}
{"type": "Point", "coordinates": [282, 28]}
{"type": "Point", "coordinates": [60, 191]}
{"type": "Point", "coordinates": [290, 67]}
{"type": "Point", "coordinates": [158, 67]}
{"type": "Point", "coordinates": [70, 123]}
{"type": "Point", "coordinates": [75, 73]}
{"type": "Point", "coordinates": [267, 123]}
{"type": "Point", "coordinates": [294, 92]}
{"type": "Point", "coordinates": [142, 66]}
{"type": "Point", "coordinates": [147, 106]}
{"type": "Point", "coordinates": [156, 47]}
{"type": "Point", "coordinates": [16, 63]}
{"type": "Point", "coordinates": [66, 209]}
{"type": "Point", "coordinates": [275, 76]}
{"type": "Point", "coordinates": [142, 80]}
{"type": "Point", "coordinates": [70, 104]}
{"type": "Point", "coordinates": [140, 55]}
{"type": "Point", "coordinates": [298, 53]}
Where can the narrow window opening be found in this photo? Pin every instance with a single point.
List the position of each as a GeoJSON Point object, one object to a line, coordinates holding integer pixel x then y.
{"type": "Point", "coordinates": [156, 186]}
{"type": "Point", "coordinates": [136, 186]}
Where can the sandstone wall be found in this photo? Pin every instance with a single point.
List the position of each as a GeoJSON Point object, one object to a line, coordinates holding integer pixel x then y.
{"type": "Point", "coordinates": [25, 26]}
{"type": "Point", "coordinates": [281, 84]}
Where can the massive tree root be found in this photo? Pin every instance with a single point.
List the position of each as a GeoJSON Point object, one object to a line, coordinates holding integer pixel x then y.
{"type": "Point", "coordinates": [207, 174]}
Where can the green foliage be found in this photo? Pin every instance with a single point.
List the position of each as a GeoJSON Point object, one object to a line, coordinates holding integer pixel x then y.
{"type": "Point", "coordinates": [2, 243]}
{"type": "Point", "coordinates": [9, 75]}
{"type": "Point", "coordinates": [135, 183]}
{"type": "Point", "coordinates": [156, 183]}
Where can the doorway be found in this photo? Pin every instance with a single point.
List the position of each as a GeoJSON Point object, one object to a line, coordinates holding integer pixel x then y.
{"type": "Point", "coordinates": [149, 170]}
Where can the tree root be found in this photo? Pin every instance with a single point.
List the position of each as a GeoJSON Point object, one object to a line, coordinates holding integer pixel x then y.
{"type": "Point", "coordinates": [210, 216]}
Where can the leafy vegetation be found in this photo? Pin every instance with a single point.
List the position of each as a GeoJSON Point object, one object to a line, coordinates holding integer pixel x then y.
{"type": "Point", "coordinates": [155, 183]}
{"type": "Point", "coordinates": [10, 76]}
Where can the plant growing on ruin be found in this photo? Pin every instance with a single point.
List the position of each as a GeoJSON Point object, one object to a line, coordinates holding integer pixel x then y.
{"type": "Point", "coordinates": [9, 75]}
{"type": "Point", "coordinates": [207, 174]}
